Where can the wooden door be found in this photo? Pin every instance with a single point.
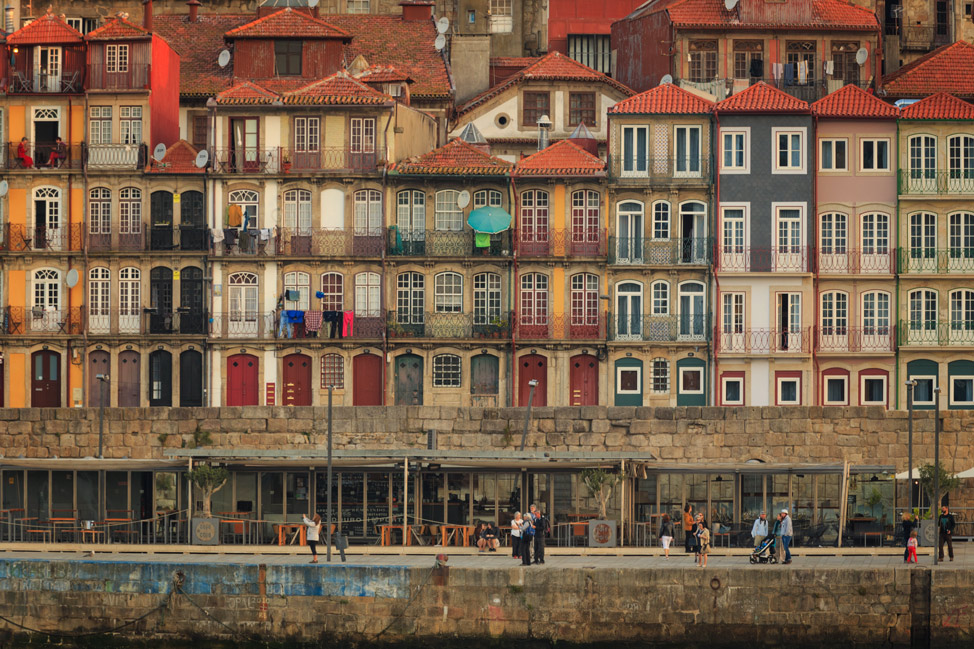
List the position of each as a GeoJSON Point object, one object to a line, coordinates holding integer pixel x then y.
{"type": "Point", "coordinates": [192, 226]}
{"type": "Point", "coordinates": [584, 380]}
{"type": "Point", "coordinates": [533, 367]}
{"type": "Point", "coordinates": [367, 380]}
{"type": "Point", "coordinates": [46, 380]}
{"type": "Point", "coordinates": [484, 374]}
{"type": "Point", "coordinates": [409, 380]}
{"type": "Point", "coordinates": [99, 363]}
{"type": "Point", "coordinates": [160, 378]}
{"type": "Point", "coordinates": [190, 379]}
{"type": "Point", "coordinates": [129, 379]}
{"type": "Point", "coordinates": [191, 316]}
{"type": "Point", "coordinates": [160, 300]}
{"type": "Point", "coordinates": [161, 213]}
{"type": "Point", "coordinates": [243, 388]}
{"type": "Point", "coordinates": [297, 380]}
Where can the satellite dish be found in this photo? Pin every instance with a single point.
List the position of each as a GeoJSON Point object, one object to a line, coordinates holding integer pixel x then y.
{"type": "Point", "coordinates": [3, 188]}
{"type": "Point", "coordinates": [312, 3]}
{"type": "Point", "coordinates": [72, 279]}
{"type": "Point", "coordinates": [729, 5]}
{"type": "Point", "coordinates": [442, 25]}
{"type": "Point", "coordinates": [667, 78]}
{"type": "Point", "coordinates": [224, 58]}
{"type": "Point", "coordinates": [862, 55]}
{"type": "Point", "coordinates": [159, 152]}
{"type": "Point", "coordinates": [463, 199]}
{"type": "Point", "coordinates": [202, 158]}
{"type": "Point", "coordinates": [440, 42]}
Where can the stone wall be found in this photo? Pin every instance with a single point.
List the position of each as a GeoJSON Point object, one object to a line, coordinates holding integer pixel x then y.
{"type": "Point", "coordinates": [745, 606]}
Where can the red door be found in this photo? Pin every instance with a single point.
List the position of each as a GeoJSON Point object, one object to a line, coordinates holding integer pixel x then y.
{"type": "Point", "coordinates": [533, 367]}
{"type": "Point", "coordinates": [243, 388]}
{"type": "Point", "coordinates": [367, 380]}
{"type": "Point", "coordinates": [45, 380]}
{"type": "Point", "coordinates": [129, 379]}
{"type": "Point", "coordinates": [584, 380]}
{"type": "Point", "coordinates": [98, 363]}
{"type": "Point", "coordinates": [297, 380]}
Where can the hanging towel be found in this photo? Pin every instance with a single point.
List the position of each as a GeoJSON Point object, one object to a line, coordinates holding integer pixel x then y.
{"type": "Point", "coordinates": [334, 318]}
{"type": "Point", "coordinates": [234, 216]}
{"type": "Point", "coordinates": [829, 67]}
{"type": "Point", "coordinates": [312, 322]}
{"type": "Point", "coordinates": [789, 74]}
{"type": "Point", "coordinates": [292, 296]}
{"type": "Point", "coordinates": [283, 327]}
{"type": "Point", "coordinates": [217, 235]}
{"type": "Point", "coordinates": [803, 72]}
{"type": "Point", "coordinates": [265, 234]}
{"type": "Point", "coordinates": [757, 68]}
{"type": "Point", "coordinates": [482, 240]}
{"type": "Point", "coordinates": [777, 70]}
{"type": "Point", "coordinates": [246, 241]}
{"type": "Point", "coordinates": [294, 317]}
{"type": "Point", "coordinates": [348, 323]}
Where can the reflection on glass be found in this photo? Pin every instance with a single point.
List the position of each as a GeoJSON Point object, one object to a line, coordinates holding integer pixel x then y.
{"type": "Point", "coordinates": [245, 494]}
{"type": "Point", "coordinates": [271, 500]}
{"type": "Point", "coordinates": [458, 498]}
{"type": "Point", "coordinates": [752, 498]}
{"type": "Point", "coordinates": [88, 495]}
{"type": "Point", "coordinates": [298, 494]}
{"type": "Point", "coordinates": [221, 504]}
{"type": "Point", "coordinates": [13, 490]}
{"type": "Point", "coordinates": [166, 491]}
{"type": "Point", "coordinates": [37, 496]}
{"type": "Point", "coordinates": [432, 498]}
{"type": "Point", "coordinates": [671, 495]}
{"type": "Point", "coordinates": [141, 495]}
{"type": "Point", "coordinates": [353, 504]}
{"type": "Point", "coordinates": [62, 494]}
{"type": "Point", "coordinates": [117, 495]}
{"type": "Point", "coordinates": [645, 499]}
{"type": "Point", "coordinates": [721, 501]}
{"type": "Point", "coordinates": [377, 511]}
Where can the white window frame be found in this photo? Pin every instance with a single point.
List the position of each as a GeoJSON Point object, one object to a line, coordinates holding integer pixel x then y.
{"type": "Point", "coordinates": [735, 169]}
{"type": "Point", "coordinates": [445, 377]}
{"type": "Point", "coordinates": [821, 154]}
{"type": "Point", "coordinates": [924, 377]}
{"type": "Point", "coordinates": [737, 260]}
{"type": "Point", "coordinates": [631, 157]}
{"type": "Point", "coordinates": [684, 370]}
{"type": "Point", "coordinates": [961, 377]}
{"type": "Point", "coordinates": [802, 132]}
{"type": "Point", "coordinates": [780, 380]}
{"type": "Point", "coordinates": [862, 389]}
{"type": "Point", "coordinates": [652, 368]}
{"type": "Point", "coordinates": [687, 160]}
{"type": "Point", "coordinates": [845, 389]}
{"type": "Point", "coordinates": [724, 381]}
{"type": "Point", "coordinates": [639, 379]}
{"type": "Point", "coordinates": [875, 142]}
{"type": "Point", "coordinates": [117, 58]}
{"type": "Point", "coordinates": [803, 252]}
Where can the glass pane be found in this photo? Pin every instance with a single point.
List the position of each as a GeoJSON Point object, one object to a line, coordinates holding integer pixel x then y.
{"type": "Point", "coordinates": [271, 499]}
{"type": "Point", "coordinates": [298, 495]}
{"type": "Point", "coordinates": [87, 488]}
{"type": "Point", "coordinates": [752, 498]}
{"type": "Point", "coordinates": [117, 494]}
{"type": "Point", "coordinates": [166, 491]}
{"type": "Point", "coordinates": [62, 494]}
{"type": "Point", "coordinates": [37, 495]}
{"type": "Point", "coordinates": [13, 490]}
{"type": "Point", "coordinates": [352, 490]}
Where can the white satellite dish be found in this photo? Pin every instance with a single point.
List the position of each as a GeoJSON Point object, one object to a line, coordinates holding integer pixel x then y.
{"type": "Point", "coordinates": [862, 56]}
{"type": "Point", "coordinates": [159, 152]}
{"type": "Point", "coordinates": [72, 279]}
{"type": "Point", "coordinates": [667, 78]}
{"type": "Point", "coordinates": [729, 5]}
{"type": "Point", "coordinates": [3, 188]}
{"type": "Point", "coordinates": [442, 25]}
{"type": "Point", "coordinates": [312, 3]}
{"type": "Point", "coordinates": [440, 42]}
{"type": "Point", "coordinates": [463, 199]}
{"type": "Point", "coordinates": [224, 58]}
{"type": "Point", "coordinates": [202, 158]}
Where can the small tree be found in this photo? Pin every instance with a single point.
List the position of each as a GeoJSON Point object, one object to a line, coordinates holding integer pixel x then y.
{"type": "Point", "coordinates": [600, 483]}
{"type": "Point", "coordinates": [208, 480]}
{"type": "Point", "coordinates": [948, 482]}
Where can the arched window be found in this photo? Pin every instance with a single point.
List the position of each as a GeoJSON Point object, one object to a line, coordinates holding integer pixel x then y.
{"type": "Point", "coordinates": [446, 371]}
{"type": "Point", "coordinates": [534, 299]}
{"type": "Point", "coordinates": [410, 298]}
{"type": "Point", "coordinates": [661, 220]}
{"type": "Point", "coordinates": [487, 198]}
{"type": "Point", "coordinates": [367, 287]}
{"type": "Point", "coordinates": [411, 214]}
{"type": "Point", "coordinates": [368, 213]}
{"type": "Point", "coordinates": [448, 293]}
{"type": "Point", "coordinates": [100, 211]}
{"type": "Point", "coordinates": [875, 234]}
{"type": "Point", "coordinates": [242, 303]}
{"type": "Point", "coordinates": [661, 298]}
{"type": "Point", "coordinates": [99, 298]}
{"type": "Point", "coordinates": [692, 232]}
{"type": "Point", "coordinates": [333, 286]}
{"type": "Point", "coordinates": [249, 202]}
{"type": "Point", "coordinates": [333, 371]}
{"type": "Point", "coordinates": [486, 298]}
{"type": "Point", "coordinates": [297, 211]}
{"type": "Point", "coordinates": [629, 233]}
{"type": "Point", "coordinates": [693, 319]}
{"type": "Point", "coordinates": [586, 222]}
{"type": "Point", "coordinates": [834, 233]}
{"type": "Point", "coordinates": [962, 313]}
{"type": "Point", "coordinates": [585, 300]}
{"type": "Point", "coordinates": [876, 329]}
{"type": "Point", "coordinates": [923, 163]}
{"type": "Point", "coordinates": [130, 218]}
{"type": "Point", "coordinates": [48, 228]}
{"type": "Point", "coordinates": [46, 311]}
{"type": "Point", "coordinates": [629, 311]}
{"type": "Point", "coordinates": [834, 316]}
{"type": "Point", "coordinates": [297, 283]}
{"type": "Point", "coordinates": [129, 299]}
{"type": "Point", "coordinates": [534, 222]}
{"type": "Point", "coordinates": [923, 311]}
{"type": "Point", "coordinates": [960, 162]}
{"type": "Point", "coordinates": [448, 214]}
{"type": "Point", "coordinates": [960, 240]}
{"type": "Point", "coordinates": [923, 240]}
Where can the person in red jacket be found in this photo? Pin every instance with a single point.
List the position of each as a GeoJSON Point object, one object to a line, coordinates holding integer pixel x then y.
{"type": "Point", "coordinates": [22, 154]}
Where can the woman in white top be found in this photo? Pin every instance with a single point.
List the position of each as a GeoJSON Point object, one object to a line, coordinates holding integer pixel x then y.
{"type": "Point", "coordinates": [314, 528]}
{"type": "Point", "coordinates": [516, 535]}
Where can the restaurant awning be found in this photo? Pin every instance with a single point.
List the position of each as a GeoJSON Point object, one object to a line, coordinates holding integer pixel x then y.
{"type": "Point", "coordinates": [89, 464]}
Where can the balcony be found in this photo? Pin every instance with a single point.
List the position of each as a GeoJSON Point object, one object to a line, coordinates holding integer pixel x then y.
{"type": "Point", "coordinates": [764, 341]}
{"type": "Point", "coordinates": [279, 160]}
{"type": "Point", "coordinates": [182, 321]}
{"type": "Point", "coordinates": [659, 328]}
{"type": "Point", "coordinates": [855, 339]}
{"type": "Point", "coordinates": [23, 238]}
{"type": "Point", "coordinates": [774, 259]}
{"type": "Point", "coordinates": [114, 156]}
{"type": "Point", "coordinates": [856, 262]}
{"type": "Point", "coordinates": [18, 320]}
{"type": "Point", "coordinates": [660, 252]}
{"type": "Point", "coordinates": [959, 333]}
{"type": "Point", "coordinates": [184, 238]}
{"type": "Point", "coordinates": [923, 37]}
{"type": "Point", "coordinates": [45, 156]}
{"type": "Point", "coordinates": [936, 183]}
{"type": "Point", "coordinates": [255, 325]}
{"type": "Point", "coordinates": [446, 243]}
{"type": "Point", "coordinates": [31, 82]}
{"type": "Point", "coordinates": [812, 90]}
{"type": "Point", "coordinates": [561, 242]}
{"type": "Point", "coordinates": [936, 261]}
{"type": "Point", "coordinates": [101, 77]}
{"type": "Point", "coordinates": [114, 322]}
{"type": "Point", "coordinates": [117, 241]}
{"type": "Point", "coordinates": [560, 326]}
{"type": "Point", "coordinates": [693, 170]}
{"type": "Point", "coordinates": [449, 325]}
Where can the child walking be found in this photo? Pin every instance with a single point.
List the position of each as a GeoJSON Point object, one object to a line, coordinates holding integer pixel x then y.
{"type": "Point", "coordinates": [911, 547]}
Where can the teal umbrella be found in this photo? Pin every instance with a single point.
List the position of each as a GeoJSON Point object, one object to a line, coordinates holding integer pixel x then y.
{"type": "Point", "coordinates": [490, 220]}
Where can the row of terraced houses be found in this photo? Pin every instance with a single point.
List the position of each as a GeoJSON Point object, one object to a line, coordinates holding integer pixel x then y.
{"type": "Point", "coordinates": [794, 239]}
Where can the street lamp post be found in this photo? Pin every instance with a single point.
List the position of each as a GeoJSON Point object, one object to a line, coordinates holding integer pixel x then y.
{"type": "Point", "coordinates": [910, 384]}
{"type": "Point", "coordinates": [936, 474]}
{"type": "Point", "coordinates": [103, 380]}
{"type": "Point", "coordinates": [527, 420]}
{"type": "Point", "coordinates": [328, 515]}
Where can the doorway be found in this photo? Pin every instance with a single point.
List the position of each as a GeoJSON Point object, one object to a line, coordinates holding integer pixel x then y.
{"type": "Point", "coordinates": [99, 392]}
{"type": "Point", "coordinates": [48, 227]}
{"type": "Point", "coordinates": [192, 226]}
{"type": "Point", "coordinates": [297, 380]}
{"type": "Point", "coordinates": [160, 378]}
{"type": "Point", "coordinates": [242, 380]}
{"type": "Point", "coordinates": [367, 380]}
{"type": "Point", "coordinates": [191, 316]}
{"type": "Point", "coordinates": [46, 379]}
{"type": "Point", "coordinates": [533, 367]}
{"type": "Point", "coordinates": [160, 296]}
{"type": "Point", "coordinates": [190, 379]}
{"type": "Point", "coordinates": [47, 128]}
{"type": "Point", "coordinates": [409, 380]}
{"type": "Point", "coordinates": [584, 380]}
{"type": "Point", "coordinates": [484, 375]}
{"type": "Point", "coordinates": [129, 379]}
{"type": "Point", "coordinates": [244, 136]}
{"type": "Point", "coordinates": [161, 230]}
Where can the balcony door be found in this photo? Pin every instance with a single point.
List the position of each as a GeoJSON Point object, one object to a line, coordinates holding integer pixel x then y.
{"type": "Point", "coordinates": [875, 244]}
{"type": "Point", "coordinates": [629, 233]}
{"type": "Point", "coordinates": [693, 224]}
{"type": "Point", "coordinates": [692, 314]}
{"type": "Point", "coordinates": [790, 322]}
{"type": "Point", "coordinates": [834, 322]}
{"type": "Point", "coordinates": [629, 311]}
{"type": "Point", "coordinates": [789, 241]}
{"type": "Point", "coordinates": [47, 69]}
{"type": "Point", "coordinates": [923, 164]}
{"type": "Point", "coordinates": [833, 242]}
{"type": "Point", "coordinates": [732, 322]}
{"type": "Point", "coordinates": [244, 138]}
{"type": "Point", "coordinates": [191, 318]}
{"type": "Point", "coordinates": [47, 128]}
{"type": "Point", "coordinates": [160, 296]}
{"type": "Point", "coordinates": [48, 223]}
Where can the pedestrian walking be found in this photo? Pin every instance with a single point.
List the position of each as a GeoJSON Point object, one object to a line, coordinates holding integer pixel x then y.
{"type": "Point", "coordinates": [541, 530]}
{"type": "Point", "coordinates": [527, 537]}
{"type": "Point", "coordinates": [911, 548]}
{"type": "Point", "coordinates": [688, 527]}
{"type": "Point", "coordinates": [311, 535]}
{"type": "Point", "coordinates": [908, 526]}
{"type": "Point", "coordinates": [759, 531]}
{"type": "Point", "coordinates": [666, 533]}
{"type": "Point", "coordinates": [698, 525]}
{"type": "Point", "coordinates": [704, 537]}
{"type": "Point", "coordinates": [947, 524]}
{"type": "Point", "coordinates": [516, 535]}
{"type": "Point", "coordinates": [787, 531]}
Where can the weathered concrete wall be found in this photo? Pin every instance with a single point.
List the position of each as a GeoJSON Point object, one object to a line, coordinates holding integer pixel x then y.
{"type": "Point", "coordinates": [744, 606]}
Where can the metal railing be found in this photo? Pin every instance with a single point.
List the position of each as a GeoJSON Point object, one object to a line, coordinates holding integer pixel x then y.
{"type": "Point", "coordinates": [638, 251]}
{"type": "Point", "coordinates": [855, 262]}
{"type": "Point", "coordinates": [935, 182]}
{"type": "Point", "coordinates": [114, 156]}
{"type": "Point", "coordinates": [23, 238]}
{"type": "Point", "coordinates": [101, 77]}
{"type": "Point", "coordinates": [936, 260]}
{"type": "Point", "coordinates": [446, 243]}
{"type": "Point", "coordinates": [936, 334]}
{"type": "Point", "coordinates": [812, 89]}
{"type": "Point", "coordinates": [764, 341]}
{"type": "Point", "coordinates": [560, 326]}
{"type": "Point", "coordinates": [42, 156]}
{"type": "Point", "coordinates": [923, 37]}
{"type": "Point", "coordinates": [774, 259]}
{"type": "Point", "coordinates": [280, 160]}
{"type": "Point", "coordinates": [112, 322]}
{"type": "Point", "coordinates": [659, 328]}
{"type": "Point", "coordinates": [558, 242]}
{"type": "Point", "coordinates": [272, 325]}
{"type": "Point", "coordinates": [117, 241]}
{"type": "Point", "coordinates": [189, 322]}
{"type": "Point", "coordinates": [855, 339]}
{"type": "Point", "coordinates": [20, 320]}
{"type": "Point", "coordinates": [690, 170]}
{"type": "Point", "coordinates": [183, 237]}
{"type": "Point", "coordinates": [33, 82]}
{"type": "Point", "coordinates": [449, 325]}
{"type": "Point", "coordinates": [246, 243]}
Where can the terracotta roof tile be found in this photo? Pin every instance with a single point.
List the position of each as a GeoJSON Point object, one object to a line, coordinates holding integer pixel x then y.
{"type": "Point", "coordinates": [198, 45]}
{"type": "Point", "coordinates": [947, 69]}
{"type": "Point", "coordinates": [939, 106]}
{"type": "Point", "coordinates": [514, 61]}
{"type": "Point", "coordinates": [456, 158]}
{"type": "Point", "coordinates": [666, 99]}
{"type": "Point", "coordinates": [382, 74]}
{"type": "Point", "coordinates": [287, 23]}
{"type": "Point", "coordinates": [833, 15]}
{"type": "Point", "coordinates": [46, 30]}
{"type": "Point", "coordinates": [338, 89]}
{"type": "Point", "coordinates": [245, 93]}
{"type": "Point", "coordinates": [180, 158]}
{"type": "Point", "coordinates": [563, 158]}
{"type": "Point", "coordinates": [852, 102]}
{"type": "Point", "coordinates": [762, 98]}
{"type": "Point", "coordinates": [118, 29]}
{"type": "Point", "coordinates": [554, 66]}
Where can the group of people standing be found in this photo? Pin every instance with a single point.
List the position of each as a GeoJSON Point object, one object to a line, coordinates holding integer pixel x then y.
{"type": "Point", "coordinates": [947, 524]}
{"type": "Point", "coordinates": [527, 531]}
{"type": "Point", "coordinates": [783, 529]}
{"type": "Point", "coordinates": [696, 535]}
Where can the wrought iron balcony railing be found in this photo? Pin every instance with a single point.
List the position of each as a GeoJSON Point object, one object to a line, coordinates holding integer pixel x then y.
{"type": "Point", "coordinates": [560, 242]}
{"type": "Point", "coordinates": [774, 259]}
{"type": "Point", "coordinates": [637, 251]}
{"type": "Point", "coordinates": [560, 326]}
{"type": "Point", "coordinates": [763, 341]}
{"type": "Point", "coordinates": [937, 261]}
{"type": "Point", "coordinates": [833, 261]}
{"type": "Point", "coordinates": [855, 339]}
{"type": "Point", "coordinates": [449, 325]}
{"type": "Point", "coordinates": [24, 238]}
{"type": "Point", "coordinates": [43, 321]}
{"type": "Point", "coordinates": [959, 333]}
{"type": "Point", "coordinates": [42, 156]}
{"type": "Point", "coordinates": [693, 327]}
{"type": "Point", "coordinates": [447, 243]}
{"type": "Point", "coordinates": [114, 156]}
{"type": "Point", "coordinates": [935, 182]}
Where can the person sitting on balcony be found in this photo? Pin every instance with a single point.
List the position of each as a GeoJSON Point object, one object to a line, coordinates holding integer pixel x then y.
{"type": "Point", "coordinates": [58, 154]}
{"type": "Point", "coordinates": [22, 155]}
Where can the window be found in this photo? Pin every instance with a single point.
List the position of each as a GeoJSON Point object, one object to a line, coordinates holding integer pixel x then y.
{"type": "Point", "coordinates": [446, 371]}
{"type": "Point", "coordinates": [448, 293]}
{"type": "Point", "coordinates": [789, 145]}
{"type": "Point", "coordinates": [362, 139]}
{"type": "Point", "coordinates": [875, 233]}
{"type": "Point", "coordinates": [661, 220]}
{"type": "Point", "coordinates": [832, 155]}
{"type": "Point", "coordinates": [501, 16]}
{"type": "Point", "coordinates": [297, 211]}
{"type": "Point", "coordinates": [487, 198]}
{"type": "Point", "coordinates": [287, 58]}
{"type": "Point", "coordinates": [629, 380]}
{"type": "Point", "coordinates": [923, 315]}
{"type": "Point", "coordinates": [299, 283]}
{"type": "Point", "coordinates": [789, 391]}
{"type": "Point", "coordinates": [834, 317]}
{"type": "Point", "coordinates": [367, 287]}
{"type": "Point", "coordinates": [100, 125]}
{"type": "Point", "coordinates": [249, 202]}
{"type": "Point", "coordinates": [99, 297]}
{"type": "Point", "coordinates": [486, 298]}
{"type": "Point", "coordinates": [85, 25]}
{"type": "Point", "coordinates": [534, 299]}
{"type": "Point", "coordinates": [307, 139]}
{"type": "Point", "coordinates": [585, 300]}
{"type": "Point", "coordinates": [834, 233]}
{"type": "Point", "coordinates": [333, 371]}
{"type": "Point", "coordinates": [130, 124]}
{"type": "Point", "coordinates": [875, 316]}
{"type": "Point", "coordinates": [471, 16]}
{"type": "Point", "coordinates": [874, 155]}
{"type": "Point", "coordinates": [117, 58]}
{"type": "Point", "coordinates": [846, 67]}
{"type": "Point", "coordinates": [692, 315]}
{"type": "Point", "coordinates": [961, 312]}
{"type": "Point", "coordinates": [357, 6]}
{"type": "Point", "coordinates": [368, 213]}
{"type": "Point", "coordinates": [536, 104]}
{"type": "Point", "coordinates": [534, 216]}
{"type": "Point", "coordinates": [703, 61]}
{"type": "Point", "coordinates": [333, 286]}
{"type": "Point", "coordinates": [691, 380]}
{"type": "Point", "coordinates": [242, 302]}
{"type": "Point", "coordinates": [836, 390]}
{"type": "Point", "coordinates": [735, 154]}
{"type": "Point", "coordinates": [448, 214]}
{"type": "Point", "coordinates": [687, 143]}
{"type": "Point", "coordinates": [789, 239]}
{"type": "Point", "coordinates": [410, 298]}
{"type": "Point", "coordinates": [733, 235]}
{"type": "Point", "coordinates": [593, 50]}
{"type": "Point", "coordinates": [661, 376]}
{"type": "Point", "coordinates": [748, 60]}
{"type": "Point", "coordinates": [960, 160]}
{"type": "Point", "coordinates": [411, 214]}
{"type": "Point", "coordinates": [923, 236]}
{"type": "Point", "coordinates": [201, 131]}
{"type": "Point", "coordinates": [732, 321]}
{"type": "Point", "coordinates": [962, 391]}
{"type": "Point", "coordinates": [732, 389]}
{"type": "Point", "coordinates": [661, 298]}
{"type": "Point", "coordinates": [586, 222]}
{"type": "Point", "coordinates": [629, 311]}
{"type": "Point", "coordinates": [129, 299]}
{"type": "Point", "coordinates": [960, 239]}
{"type": "Point", "coordinates": [872, 390]}
{"type": "Point", "coordinates": [629, 232]}
{"type": "Point", "coordinates": [801, 56]}
{"type": "Point", "coordinates": [923, 390]}
{"type": "Point", "coordinates": [100, 211]}
{"type": "Point", "coordinates": [635, 150]}
{"type": "Point", "coordinates": [581, 108]}
{"type": "Point", "coordinates": [923, 163]}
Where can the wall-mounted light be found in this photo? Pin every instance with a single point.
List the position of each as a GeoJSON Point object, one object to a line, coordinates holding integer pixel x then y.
{"type": "Point", "coordinates": [97, 346]}
{"type": "Point", "coordinates": [534, 351]}
{"type": "Point", "coordinates": [243, 351]}
{"type": "Point", "coordinates": [161, 347]}
{"type": "Point", "coordinates": [628, 354]}
{"type": "Point", "coordinates": [128, 347]}
{"type": "Point", "coordinates": [191, 348]}
{"type": "Point", "coordinates": [409, 351]}
{"type": "Point", "coordinates": [366, 351]}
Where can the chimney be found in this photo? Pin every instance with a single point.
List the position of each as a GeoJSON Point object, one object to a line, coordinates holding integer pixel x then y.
{"type": "Point", "coordinates": [147, 15]}
{"type": "Point", "coordinates": [194, 10]}
{"type": "Point", "coordinates": [416, 10]}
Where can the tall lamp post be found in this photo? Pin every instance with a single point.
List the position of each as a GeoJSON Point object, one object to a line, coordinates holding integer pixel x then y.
{"type": "Point", "coordinates": [527, 420]}
{"type": "Point", "coordinates": [103, 380]}
{"type": "Point", "coordinates": [910, 385]}
{"type": "Point", "coordinates": [936, 474]}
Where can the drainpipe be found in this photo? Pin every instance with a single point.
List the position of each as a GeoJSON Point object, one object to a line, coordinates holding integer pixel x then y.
{"type": "Point", "coordinates": [815, 278]}
{"type": "Point", "coordinates": [894, 267]}
{"type": "Point", "coordinates": [513, 320]}
{"type": "Point", "coordinates": [208, 286]}
{"type": "Point", "coordinates": [70, 349]}
{"type": "Point", "coordinates": [218, 221]}
{"type": "Point", "coordinates": [716, 254]}
{"type": "Point", "coordinates": [84, 246]}
{"type": "Point", "coordinates": [393, 114]}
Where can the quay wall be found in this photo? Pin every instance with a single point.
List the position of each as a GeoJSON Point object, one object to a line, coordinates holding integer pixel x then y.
{"type": "Point", "coordinates": [738, 606]}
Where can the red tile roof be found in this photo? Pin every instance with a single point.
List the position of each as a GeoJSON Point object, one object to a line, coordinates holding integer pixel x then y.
{"type": "Point", "coordinates": [338, 89]}
{"type": "Point", "coordinates": [514, 61]}
{"type": "Point", "coordinates": [118, 29]}
{"type": "Point", "coordinates": [245, 93]}
{"type": "Point", "coordinates": [46, 30]}
{"type": "Point", "coordinates": [198, 45]}
{"type": "Point", "coordinates": [563, 158]}
{"type": "Point", "coordinates": [180, 158]}
{"type": "Point", "coordinates": [382, 74]}
{"type": "Point", "coordinates": [287, 23]}
{"type": "Point", "coordinates": [947, 69]}
{"type": "Point", "coordinates": [832, 15]}
{"type": "Point", "coordinates": [456, 158]}
{"type": "Point", "coordinates": [762, 98]}
{"type": "Point", "coordinates": [852, 102]}
{"type": "Point", "coordinates": [939, 106]}
{"type": "Point", "coordinates": [554, 66]}
{"type": "Point", "coordinates": [664, 98]}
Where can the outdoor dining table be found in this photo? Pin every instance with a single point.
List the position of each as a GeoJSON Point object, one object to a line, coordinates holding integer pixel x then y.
{"type": "Point", "coordinates": [66, 524]}
{"type": "Point", "coordinates": [449, 532]}
{"type": "Point", "coordinates": [385, 533]}
{"type": "Point", "coordinates": [298, 529]}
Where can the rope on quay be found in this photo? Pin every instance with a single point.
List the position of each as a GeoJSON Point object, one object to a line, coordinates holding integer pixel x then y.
{"type": "Point", "coordinates": [412, 597]}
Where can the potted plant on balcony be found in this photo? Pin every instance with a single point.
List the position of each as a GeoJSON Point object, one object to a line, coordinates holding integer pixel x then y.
{"type": "Point", "coordinates": [286, 163]}
{"type": "Point", "coordinates": [498, 327]}
{"type": "Point", "coordinates": [600, 483]}
{"type": "Point", "coordinates": [209, 480]}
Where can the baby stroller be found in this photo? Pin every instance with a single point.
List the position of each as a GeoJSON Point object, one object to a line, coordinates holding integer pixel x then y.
{"type": "Point", "coordinates": [765, 553]}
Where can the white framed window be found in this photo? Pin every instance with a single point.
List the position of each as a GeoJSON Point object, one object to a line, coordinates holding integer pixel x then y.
{"type": "Point", "coordinates": [100, 125]}
{"type": "Point", "coordinates": [789, 391]}
{"type": "Point", "coordinates": [960, 161]}
{"type": "Point", "coordinates": [875, 233]}
{"type": "Point", "coordinates": [307, 136]}
{"type": "Point", "coordinates": [249, 202]}
{"type": "Point", "coordinates": [686, 144]}
{"type": "Point", "coordinates": [297, 211]}
{"type": "Point", "coordinates": [448, 214]}
{"type": "Point", "coordinates": [732, 390]}
{"type": "Point", "coordinates": [410, 298]}
{"type": "Point", "coordinates": [789, 150]}
{"type": "Point", "coordinates": [299, 283]}
{"type": "Point", "coordinates": [872, 389]}
{"type": "Point", "coordinates": [734, 222]}
{"type": "Point", "coordinates": [735, 150]}
{"type": "Point", "coordinates": [534, 299]}
{"type": "Point", "coordinates": [833, 154]}
{"type": "Point", "coordinates": [836, 390]}
{"type": "Point", "coordinates": [789, 237]}
{"type": "Point", "coordinates": [486, 298]}
{"type": "Point", "coordinates": [834, 233]}
{"type": "Point", "coordinates": [130, 124]}
{"type": "Point", "coordinates": [629, 311]}
{"type": "Point", "coordinates": [923, 311]}
{"type": "Point", "coordinates": [691, 380]}
{"type": "Point", "coordinates": [130, 210]}
{"type": "Point", "coordinates": [584, 298]}
{"type": "Point", "coordinates": [446, 371]}
{"type": "Point", "coordinates": [357, 6]}
{"type": "Point", "coordinates": [635, 151]}
{"type": "Point", "coordinates": [448, 293]}
{"type": "Point", "coordinates": [661, 220]}
{"type": "Point", "coordinates": [501, 16]}
{"type": "Point", "coordinates": [368, 213]}
{"type": "Point", "coordinates": [923, 163]}
{"type": "Point", "coordinates": [661, 376]}
{"type": "Point", "coordinates": [100, 211]}
{"type": "Point", "coordinates": [660, 291]}
{"type": "Point", "coordinates": [333, 286]}
{"type": "Point", "coordinates": [629, 380]}
{"type": "Point", "coordinates": [874, 154]}
{"type": "Point", "coordinates": [99, 298]}
{"type": "Point", "coordinates": [960, 239]}
{"type": "Point", "coordinates": [129, 299]}
{"type": "Point", "coordinates": [487, 198]}
{"type": "Point", "coordinates": [362, 137]}
{"type": "Point", "coordinates": [333, 371]}
{"type": "Point", "coordinates": [411, 214]}
{"type": "Point", "coordinates": [923, 390]}
{"type": "Point", "coordinates": [117, 58]}
{"type": "Point", "coordinates": [962, 391]}
{"type": "Point", "coordinates": [367, 287]}
{"type": "Point", "coordinates": [961, 313]}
